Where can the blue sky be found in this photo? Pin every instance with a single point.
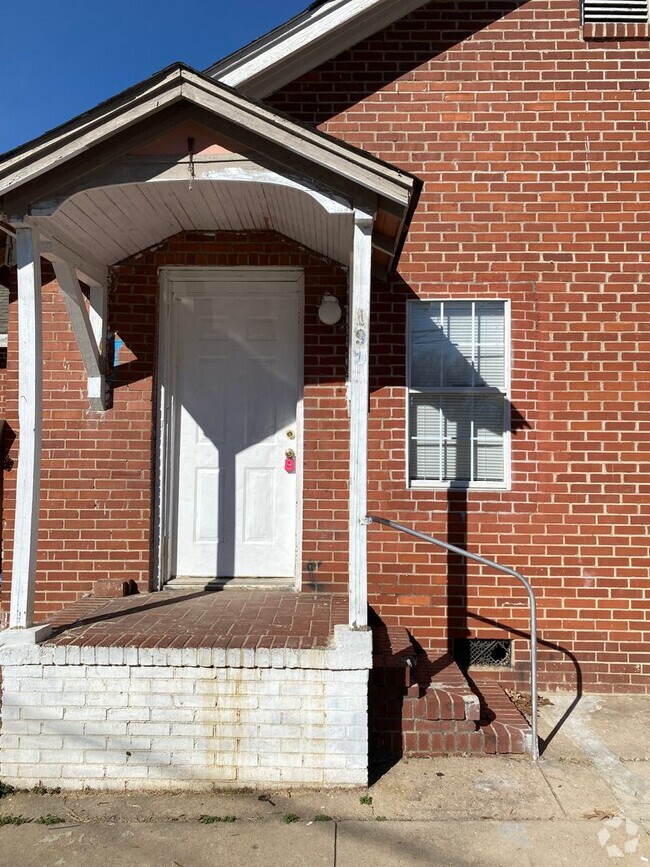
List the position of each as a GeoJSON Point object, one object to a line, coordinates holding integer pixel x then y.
{"type": "Point", "coordinates": [61, 58]}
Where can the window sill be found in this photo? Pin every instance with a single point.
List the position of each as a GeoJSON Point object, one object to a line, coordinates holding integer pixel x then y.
{"type": "Point", "coordinates": [616, 32]}
{"type": "Point", "coordinates": [458, 486]}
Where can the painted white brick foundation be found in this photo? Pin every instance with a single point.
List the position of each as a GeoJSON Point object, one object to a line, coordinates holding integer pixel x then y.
{"type": "Point", "coordinates": [136, 718]}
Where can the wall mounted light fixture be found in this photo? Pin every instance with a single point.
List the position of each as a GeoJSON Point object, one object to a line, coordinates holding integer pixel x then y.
{"type": "Point", "coordinates": [329, 311]}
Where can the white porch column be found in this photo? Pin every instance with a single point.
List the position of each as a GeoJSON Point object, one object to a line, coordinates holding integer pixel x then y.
{"type": "Point", "coordinates": [359, 328]}
{"type": "Point", "coordinates": [30, 395]}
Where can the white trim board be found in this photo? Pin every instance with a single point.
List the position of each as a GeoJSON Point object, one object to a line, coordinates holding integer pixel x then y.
{"type": "Point", "coordinates": [305, 41]}
{"type": "Point", "coordinates": [163, 520]}
{"type": "Point", "coordinates": [180, 83]}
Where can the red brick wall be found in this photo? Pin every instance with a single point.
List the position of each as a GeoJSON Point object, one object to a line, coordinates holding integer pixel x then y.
{"type": "Point", "coordinates": [534, 148]}
{"type": "Point", "coordinates": [96, 497]}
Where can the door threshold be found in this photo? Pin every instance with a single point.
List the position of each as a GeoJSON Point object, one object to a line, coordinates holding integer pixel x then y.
{"type": "Point", "coordinates": [199, 583]}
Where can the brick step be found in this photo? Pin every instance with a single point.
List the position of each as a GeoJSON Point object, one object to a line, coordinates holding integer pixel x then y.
{"type": "Point", "coordinates": [502, 730]}
{"type": "Point", "coordinates": [427, 707]}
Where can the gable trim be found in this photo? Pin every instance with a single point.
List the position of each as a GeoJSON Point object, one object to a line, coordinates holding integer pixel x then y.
{"type": "Point", "coordinates": [182, 83]}
{"type": "Point", "coordinates": [304, 42]}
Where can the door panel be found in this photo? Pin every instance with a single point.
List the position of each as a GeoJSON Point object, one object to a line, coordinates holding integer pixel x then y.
{"type": "Point", "coordinates": [236, 394]}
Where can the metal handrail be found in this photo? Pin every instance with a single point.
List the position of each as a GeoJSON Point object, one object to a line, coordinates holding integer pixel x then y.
{"type": "Point", "coordinates": [373, 519]}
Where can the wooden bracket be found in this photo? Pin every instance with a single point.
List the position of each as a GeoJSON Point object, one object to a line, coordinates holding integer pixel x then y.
{"type": "Point", "coordinates": [89, 328]}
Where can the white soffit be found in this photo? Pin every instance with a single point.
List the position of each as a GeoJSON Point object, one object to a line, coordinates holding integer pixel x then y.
{"type": "Point", "coordinates": [303, 43]}
{"type": "Point", "coordinates": [112, 223]}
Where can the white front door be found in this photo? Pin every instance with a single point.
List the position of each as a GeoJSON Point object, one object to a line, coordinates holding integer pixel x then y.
{"type": "Point", "coordinates": [236, 390]}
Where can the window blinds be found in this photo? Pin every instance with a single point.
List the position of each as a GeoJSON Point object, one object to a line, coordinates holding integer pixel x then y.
{"type": "Point", "coordinates": [457, 404]}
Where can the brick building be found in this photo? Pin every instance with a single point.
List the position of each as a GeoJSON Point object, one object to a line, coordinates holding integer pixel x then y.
{"type": "Point", "coordinates": [204, 418]}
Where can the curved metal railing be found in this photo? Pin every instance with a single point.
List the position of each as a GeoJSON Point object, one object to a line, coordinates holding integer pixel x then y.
{"type": "Point", "coordinates": [373, 519]}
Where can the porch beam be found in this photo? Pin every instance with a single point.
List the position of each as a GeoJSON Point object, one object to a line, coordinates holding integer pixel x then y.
{"type": "Point", "coordinates": [88, 327]}
{"type": "Point", "coordinates": [30, 397]}
{"type": "Point", "coordinates": [359, 333]}
{"type": "Point", "coordinates": [52, 249]}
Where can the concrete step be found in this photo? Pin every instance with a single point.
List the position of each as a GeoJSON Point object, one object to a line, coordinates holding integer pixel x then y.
{"type": "Point", "coordinates": [193, 583]}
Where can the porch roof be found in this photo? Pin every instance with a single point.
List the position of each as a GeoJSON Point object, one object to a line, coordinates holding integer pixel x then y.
{"type": "Point", "coordinates": [99, 149]}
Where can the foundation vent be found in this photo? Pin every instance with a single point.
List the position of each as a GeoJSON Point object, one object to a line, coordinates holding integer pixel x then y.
{"type": "Point", "coordinates": [483, 652]}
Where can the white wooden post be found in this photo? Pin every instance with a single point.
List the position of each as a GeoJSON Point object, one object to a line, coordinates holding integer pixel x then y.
{"type": "Point", "coordinates": [99, 325]}
{"type": "Point", "coordinates": [359, 328]}
{"type": "Point", "coordinates": [30, 396]}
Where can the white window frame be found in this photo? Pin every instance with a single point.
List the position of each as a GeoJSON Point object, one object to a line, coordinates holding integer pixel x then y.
{"type": "Point", "coordinates": [428, 484]}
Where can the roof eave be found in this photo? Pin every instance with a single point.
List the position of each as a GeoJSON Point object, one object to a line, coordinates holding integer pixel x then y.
{"type": "Point", "coordinates": [306, 41]}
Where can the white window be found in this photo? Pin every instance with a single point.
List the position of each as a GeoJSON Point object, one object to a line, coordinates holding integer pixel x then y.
{"type": "Point", "coordinates": [458, 381]}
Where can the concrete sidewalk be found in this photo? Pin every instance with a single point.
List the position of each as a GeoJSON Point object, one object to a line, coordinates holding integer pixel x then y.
{"type": "Point", "coordinates": [586, 803]}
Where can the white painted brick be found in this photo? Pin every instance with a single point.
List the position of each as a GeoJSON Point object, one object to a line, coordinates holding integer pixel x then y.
{"type": "Point", "coordinates": [43, 771]}
{"type": "Point", "coordinates": [289, 702]}
{"type": "Point", "coordinates": [43, 742]}
{"type": "Point", "coordinates": [159, 729]}
{"type": "Point", "coordinates": [104, 727]}
{"type": "Point", "coordinates": [60, 655]}
{"type": "Point", "coordinates": [129, 742]}
{"type": "Point", "coordinates": [147, 671]}
{"type": "Point", "coordinates": [261, 717]}
{"type": "Point", "coordinates": [40, 713]}
{"type": "Point", "coordinates": [151, 758]}
{"type": "Point", "coordinates": [301, 746]}
{"type": "Point", "coordinates": [263, 657]}
{"type": "Point", "coordinates": [275, 760]}
{"type": "Point", "coordinates": [83, 713]}
{"type": "Point", "coordinates": [240, 726]}
{"type": "Point", "coordinates": [219, 657]}
{"type": "Point", "coordinates": [173, 714]}
{"type": "Point", "coordinates": [176, 743]}
{"type": "Point", "coordinates": [130, 714]}
{"type": "Point", "coordinates": [340, 717]}
{"type": "Point", "coordinates": [132, 772]}
{"type": "Point", "coordinates": [16, 699]}
{"type": "Point", "coordinates": [82, 772]}
{"type": "Point", "coordinates": [23, 726]}
{"type": "Point", "coordinates": [303, 689]}
{"type": "Point", "coordinates": [279, 732]}
{"type": "Point", "coordinates": [258, 775]}
{"type": "Point", "coordinates": [87, 656]}
{"type": "Point", "coordinates": [105, 756]}
{"type": "Point", "coordinates": [153, 700]}
{"type": "Point", "coordinates": [301, 775]}
{"type": "Point", "coordinates": [241, 702]}
{"type": "Point", "coordinates": [50, 684]}
{"type": "Point", "coordinates": [191, 729]}
{"type": "Point", "coordinates": [116, 656]}
{"type": "Point", "coordinates": [26, 756]}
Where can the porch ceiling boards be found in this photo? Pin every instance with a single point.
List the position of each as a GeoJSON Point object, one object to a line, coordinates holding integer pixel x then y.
{"type": "Point", "coordinates": [110, 224]}
{"type": "Point", "coordinates": [226, 619]}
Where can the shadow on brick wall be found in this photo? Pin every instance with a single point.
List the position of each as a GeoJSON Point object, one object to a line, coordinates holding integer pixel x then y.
{"type": "Point", "coordinates": [387, 56]}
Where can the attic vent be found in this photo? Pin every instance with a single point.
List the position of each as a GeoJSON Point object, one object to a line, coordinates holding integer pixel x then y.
{"type": "Point", "coordinates": [598, 11]}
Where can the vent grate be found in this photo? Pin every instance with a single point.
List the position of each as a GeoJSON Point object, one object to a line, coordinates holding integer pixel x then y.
{"type": "Point", "coordinates": [486, 652]}
{"type": "Point", "coordinates": [616, 11]}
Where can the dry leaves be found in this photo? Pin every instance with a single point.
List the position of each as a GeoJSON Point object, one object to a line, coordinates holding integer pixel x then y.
{"type": "Point", "coordinates": [600, 814]}
{"type": "Point", "coordinates": [522, 701]}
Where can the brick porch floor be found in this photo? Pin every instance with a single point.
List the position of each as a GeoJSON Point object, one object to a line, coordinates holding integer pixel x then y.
{"type": "Point", "coordinates": [232, 618]}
